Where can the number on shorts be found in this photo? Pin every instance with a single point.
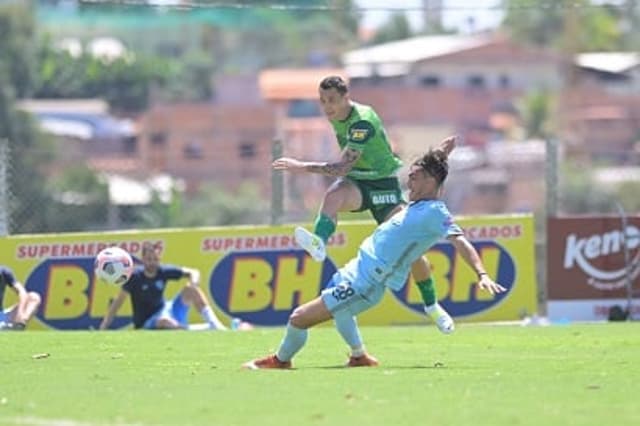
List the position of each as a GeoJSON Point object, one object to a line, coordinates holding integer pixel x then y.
{"type": "Point", "coordinates": [342, 291]}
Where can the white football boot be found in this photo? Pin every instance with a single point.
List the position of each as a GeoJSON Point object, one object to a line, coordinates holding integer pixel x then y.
{"type": "Point", "coordinates": [311, 243]}
{"type": "Point", "coordinates": [441, 318]}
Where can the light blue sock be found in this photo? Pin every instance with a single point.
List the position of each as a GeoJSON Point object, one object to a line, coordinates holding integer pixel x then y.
{"type": "Point", "coordinates": [294, 340]}
{"type": "Point", "coordinates": [348, 329]}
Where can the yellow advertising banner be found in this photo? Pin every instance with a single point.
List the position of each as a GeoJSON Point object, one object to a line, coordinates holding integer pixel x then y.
{"type": "Point", "coordinates": [260, 275]}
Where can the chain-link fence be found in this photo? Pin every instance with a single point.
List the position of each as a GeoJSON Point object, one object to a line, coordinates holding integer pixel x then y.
{"type": "Point", "coordinates": [48, 189]}
{"type": "Point", "coordinates": [4, 187]}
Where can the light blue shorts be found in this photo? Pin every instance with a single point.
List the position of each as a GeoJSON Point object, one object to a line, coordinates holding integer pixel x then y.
{"type": "Point", "coordinates": [175, 309]}
{"type": "Point", "coordinates": [346, 292]}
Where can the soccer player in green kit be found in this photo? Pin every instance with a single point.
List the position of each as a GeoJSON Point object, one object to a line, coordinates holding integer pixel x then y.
{"type": "Point", "coordinates": [366, 180]}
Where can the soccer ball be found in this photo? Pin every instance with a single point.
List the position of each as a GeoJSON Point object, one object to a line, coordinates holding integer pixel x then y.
{"type": "Point", "coordinates": [113, 265]}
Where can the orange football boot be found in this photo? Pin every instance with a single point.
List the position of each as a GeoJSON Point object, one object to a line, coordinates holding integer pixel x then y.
{"type": "Point", "coordinates": [270, 361]}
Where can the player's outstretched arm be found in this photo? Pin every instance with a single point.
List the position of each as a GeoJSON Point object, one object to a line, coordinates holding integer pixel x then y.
{"type": "Point", "coordinates": [447, 145]}
{"type": "Point", "coordinates": [340, 168]}
{"type": "Point", "coordinates": [113, 309]}
{"type": "Point", "coordinates": [471, 256]}
{"type": "Point", "coordinates": [289, 164]}
{"type": "Point", "coordinates": [192, 274]}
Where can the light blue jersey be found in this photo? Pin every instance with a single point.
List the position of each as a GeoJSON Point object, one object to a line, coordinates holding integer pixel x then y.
{"type": "Point", "coordinates": [386, 256]}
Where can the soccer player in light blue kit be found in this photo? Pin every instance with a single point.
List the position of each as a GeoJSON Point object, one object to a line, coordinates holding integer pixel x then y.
{"type": "Point", "coordinates": [384, 260]}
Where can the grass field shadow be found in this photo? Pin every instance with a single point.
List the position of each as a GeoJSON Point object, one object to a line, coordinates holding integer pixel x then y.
{"type": "Point", "coordinates": [381, 367]}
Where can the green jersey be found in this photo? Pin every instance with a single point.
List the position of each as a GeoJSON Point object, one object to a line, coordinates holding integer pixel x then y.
{"type": "Point", "coordinates": [363, 131]}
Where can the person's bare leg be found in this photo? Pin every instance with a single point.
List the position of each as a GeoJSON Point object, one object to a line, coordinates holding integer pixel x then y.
{"type": "Point", "coordinates": [342, 196]}
{"type": "Point", "coordinates": [24, 311]}
{"type": "Point", "coordinates": [193, 295]}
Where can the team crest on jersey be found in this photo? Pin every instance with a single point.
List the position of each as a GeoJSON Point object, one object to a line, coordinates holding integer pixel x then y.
{"type": "Point", "coordinates": [358, 135]}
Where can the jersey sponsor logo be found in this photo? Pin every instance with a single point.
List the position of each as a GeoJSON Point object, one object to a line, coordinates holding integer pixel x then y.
{"type": "Point", "coordinates": [72, 298]}
{"type": "Point", "coordinates": [264, 287]}
{"type": "Point", "coordinates": [384, 197]}
{"type": "Point", "coordinates": [456, 281]}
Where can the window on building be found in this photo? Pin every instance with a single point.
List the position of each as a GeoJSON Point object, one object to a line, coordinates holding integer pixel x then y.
{"type": "Point", "coordinates": [192, 150]}
{"type": "Point", "coordinates": [159, 139]}
{"type": "Point", "coordinates": [430, 81]}
{"type": "Point", "coordinates": [247, 150]}
{"type": "Point", "coordinates": [504, 82]}
{"type": "Point", "coordinates": [303, 108]}
{"type": "Point", "coordinates": [130, 144]}
{"type": "Point", "coordinates": [476, 81]}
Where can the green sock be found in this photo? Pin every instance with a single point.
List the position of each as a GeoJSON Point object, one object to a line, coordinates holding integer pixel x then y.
{"type": "Point", "coordinates": [428, 291]}
{"type": "Point", "coordinates": [324, 227]}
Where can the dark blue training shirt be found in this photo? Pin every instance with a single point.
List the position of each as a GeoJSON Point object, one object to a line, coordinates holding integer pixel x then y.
{"type": "Point", "coordinates": [147, 294]}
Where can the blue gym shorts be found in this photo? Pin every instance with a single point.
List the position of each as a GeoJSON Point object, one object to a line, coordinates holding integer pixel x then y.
{"type": "Point", "coordinates": [174, 308]}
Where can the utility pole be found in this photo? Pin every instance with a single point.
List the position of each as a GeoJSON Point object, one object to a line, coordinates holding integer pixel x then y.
{"type": "Point", "coordinates": [432, 15]}
{"type": "Point", "coordinates": [277, 185]}
{"type": "Point", "coordinates": [566, 98]}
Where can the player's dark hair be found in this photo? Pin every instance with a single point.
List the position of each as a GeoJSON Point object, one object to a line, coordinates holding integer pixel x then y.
{"type": "Point", "coordinates": [334, 82]}
{"type": "Point", "coordinates": [149, 247]}
{"type": "Point", "coordinates": [435, 163]}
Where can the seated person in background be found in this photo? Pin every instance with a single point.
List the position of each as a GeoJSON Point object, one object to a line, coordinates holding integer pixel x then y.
{"type": "Point", "coordinates": [150, 309]}
{"type": "Point", "coordinates": [16, 317]}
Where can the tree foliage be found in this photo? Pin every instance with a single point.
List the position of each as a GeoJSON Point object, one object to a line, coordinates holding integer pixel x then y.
{"type": "Point", "coordinates": [17, 28]}
{"type": "Point", "coordinates": [80, 200]}
{"type": "Point", "coordinates": [396, 28]}
{"type": "Point", "coordinates": [536, 110]}
{"type": "Point", "coordinates": [212, 206]}
{"type": "Point", "coordinates": [580, 194]}
{"type": "Point", "coordinates": [559, 23]}
{"type": "Point", "coordinates": [125, 82]}
{"type": "Point", "coordinates": [27, 149]}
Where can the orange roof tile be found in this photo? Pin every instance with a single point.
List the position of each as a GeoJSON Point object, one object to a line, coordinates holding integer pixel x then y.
{"type": "Point", "coordinates": [285, 84]}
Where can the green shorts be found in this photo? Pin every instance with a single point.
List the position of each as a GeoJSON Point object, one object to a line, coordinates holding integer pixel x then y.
{"type": "Point", "coordinates": [379, 196]}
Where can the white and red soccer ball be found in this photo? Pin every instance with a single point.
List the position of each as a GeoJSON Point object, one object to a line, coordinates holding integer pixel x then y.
{"type": "Point", "coordinates": [113, 265]}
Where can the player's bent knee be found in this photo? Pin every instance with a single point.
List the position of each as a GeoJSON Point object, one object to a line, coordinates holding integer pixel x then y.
{"type": "Point", "coordinates": [190, 293]}
{"type": "Point", "coordinates": [299, 318]}
{"type": "Point", "coordinates": [34, 298]}
{"type": "Point", "coordinates": [295, 319]}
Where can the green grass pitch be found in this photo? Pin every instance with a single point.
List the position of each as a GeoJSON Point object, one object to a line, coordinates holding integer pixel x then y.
{"type": "Point", "coordinates": [577, 374]}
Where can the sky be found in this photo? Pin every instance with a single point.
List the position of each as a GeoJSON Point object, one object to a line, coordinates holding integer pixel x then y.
{"type": "Point", "coordinates": [456, 13]}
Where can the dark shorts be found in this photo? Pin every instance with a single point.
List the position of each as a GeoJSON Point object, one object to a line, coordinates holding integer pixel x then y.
{"type": "Point", "coordinates": [379, 196]}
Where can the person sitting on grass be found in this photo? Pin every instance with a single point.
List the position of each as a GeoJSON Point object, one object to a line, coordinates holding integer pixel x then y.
{"type": "Point", "coordinates": [146, 288]}
{"type": "Point", "coordinates": [16, 316]}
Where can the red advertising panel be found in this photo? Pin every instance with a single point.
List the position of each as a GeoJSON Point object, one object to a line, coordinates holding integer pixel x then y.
{"type": "Point", "coordinates": [590, 260]}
